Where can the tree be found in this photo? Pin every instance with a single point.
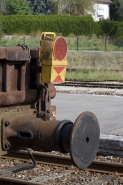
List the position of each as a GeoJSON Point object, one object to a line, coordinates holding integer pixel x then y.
{"type": "Point", "coordinates": [120, 11]}
{"type": "Point", "coordinates": [3, 9]}
{"type": "Point", "coordinates": [39, 6]}
{"type": "Point", "coordinates": [114, 9]}
{"type": "Point", "coordinates": [72, 7]}
{"type": "Point", "coordinates": [18, 7]}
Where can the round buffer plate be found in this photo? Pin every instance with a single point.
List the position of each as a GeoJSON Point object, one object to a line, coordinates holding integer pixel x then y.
{"type": "Point", "coordinates": [84, 140]}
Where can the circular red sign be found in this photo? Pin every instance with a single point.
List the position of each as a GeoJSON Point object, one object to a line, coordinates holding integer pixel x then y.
{"type": "Point", "coordinates": [60, 49]}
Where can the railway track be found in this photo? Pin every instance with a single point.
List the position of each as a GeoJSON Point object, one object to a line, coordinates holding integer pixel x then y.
{"type": "Point", "coordinates": [58, 160]}
{"type": "Point", "coordinates": [93, 84]}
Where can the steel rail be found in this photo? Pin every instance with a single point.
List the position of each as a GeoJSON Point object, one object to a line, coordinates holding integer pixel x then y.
{"type": "Point", "coordinates": [12, 181]}
{"type": "Point", "coordinates": [96, 70]}
{"type": "Point", "coordinates": [58, 160]}
{"type": "Point", "coordinates": [92, 84]}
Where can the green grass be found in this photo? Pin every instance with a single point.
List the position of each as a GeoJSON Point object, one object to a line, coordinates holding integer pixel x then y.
{"type": "Point", "coordinates": [95, 67]}
{"type": "Point", "coordinates": [94, 76]}
{"type": "Point", "coordinates": [103, 61]}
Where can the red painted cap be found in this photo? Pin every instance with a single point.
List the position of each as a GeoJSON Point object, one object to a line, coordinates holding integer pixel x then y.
{"type": "Point", "coordinates": [60, 48]}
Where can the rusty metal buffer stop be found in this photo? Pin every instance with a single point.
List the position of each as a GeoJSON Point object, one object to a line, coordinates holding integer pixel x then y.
{"type": "Point", "coordinates": [27, 118]}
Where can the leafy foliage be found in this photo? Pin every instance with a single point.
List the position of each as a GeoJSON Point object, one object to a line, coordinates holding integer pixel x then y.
{"type": "Point", "coordinates": [18, 7]}
{"type": "Point", "coordinates": [112, 28]}
{"type": "Point", "coordinates": [39, 7]}
{"type": "Point", "coordinates": [114, 9]}
{"type": "Point", "coordinates": [3, 8]}
{"type": "Point", "coordinates": [72, 7]}
{"type": "Point", "coordinates": [120, 11]}
{"type": "Point", "coordinates": [116, 12]}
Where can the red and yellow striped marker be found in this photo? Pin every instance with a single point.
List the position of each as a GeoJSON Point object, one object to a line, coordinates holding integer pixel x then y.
{"type": "Point", "coordinates": [58, 74]}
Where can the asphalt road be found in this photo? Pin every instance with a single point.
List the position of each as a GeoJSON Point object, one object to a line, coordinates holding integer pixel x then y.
{"type": "Point", "coordinates": [108, 110]}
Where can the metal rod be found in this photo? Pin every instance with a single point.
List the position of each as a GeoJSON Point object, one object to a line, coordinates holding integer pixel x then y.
{"type": "Point", "coordinates": [105, 43]}
{"type": "Point", "coordinates": [23, 39]}
{"type": "Point", "coordinates": [29, 166]}
{"type": "Point", "coordinates": [77, 44]}
{"type": "Point", "coordinates": [18, 168]}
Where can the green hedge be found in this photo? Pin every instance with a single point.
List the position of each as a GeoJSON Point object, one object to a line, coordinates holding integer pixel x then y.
{"type": "Point", "coordinates": [63, 24]}
{"type": "Point", "coordinates": [60, 24]}
{"type": "Point", "coordinates": [112, 28]}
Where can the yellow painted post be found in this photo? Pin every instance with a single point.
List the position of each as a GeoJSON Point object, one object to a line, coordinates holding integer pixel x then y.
{"type": "Point", "coordinates": [53, 57]}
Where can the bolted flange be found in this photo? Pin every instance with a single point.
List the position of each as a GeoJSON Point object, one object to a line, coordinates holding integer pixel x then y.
{"type": "Point", "coordinates": [84, 139]}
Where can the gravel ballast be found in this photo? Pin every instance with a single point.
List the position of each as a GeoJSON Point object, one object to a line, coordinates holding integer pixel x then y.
{"type": "Point", "coordinates": [87, 90]}
{"type": "Point", "coordinates": [54, 175]}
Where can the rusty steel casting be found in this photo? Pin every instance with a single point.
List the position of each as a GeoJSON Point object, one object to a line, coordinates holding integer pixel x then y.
{"type": "Point", "coordinates": [21, 132]}
{"type": "Point", "coordinates": [80, 139]}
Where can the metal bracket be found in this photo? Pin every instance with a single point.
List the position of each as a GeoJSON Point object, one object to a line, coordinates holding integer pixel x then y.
{"type": "Point", "coordinates": [44, 100]}
{"type": "Point", "coordinates": [18, 168]}
{"type": "Point", "coordinates": [26, 48]}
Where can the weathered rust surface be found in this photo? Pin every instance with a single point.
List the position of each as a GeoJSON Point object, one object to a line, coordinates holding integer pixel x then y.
{"type": "Point", "coordinates": [17, 55]}
{"type": "Point", "coordinates": [35, 52]}
{"type": "Point", "coordinates": [52, 90]}
{"type": "Point", "coordinates": [14, 84]}
{"type": "Point", "coordinates": [23, 131]}
{"type": "Point", "coordinates": [18, 97]}
{"type": "Point", "coordinates": [2, 52]}
{"type": "Point", "coordinates": [19, 80]}
{"type": "Point", "coordinates": [13, 111]}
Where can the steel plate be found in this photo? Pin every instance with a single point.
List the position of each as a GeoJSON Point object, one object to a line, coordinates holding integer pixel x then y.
{"type": "Point", "coordinates": [84, 140]}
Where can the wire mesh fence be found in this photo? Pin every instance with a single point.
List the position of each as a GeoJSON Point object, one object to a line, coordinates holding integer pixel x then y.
{"type": "Point", "coordinates": [74, 43]}
{"type": "Point", "coordinates": [94, 43]}
{"type": "Point", "coordinates": [14, 40]}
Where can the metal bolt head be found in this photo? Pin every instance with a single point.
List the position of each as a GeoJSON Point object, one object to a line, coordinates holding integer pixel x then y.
{"type": "Point", "coordinates": [7, 123]}
{"type": "Point", "coordinates": [7, 146]}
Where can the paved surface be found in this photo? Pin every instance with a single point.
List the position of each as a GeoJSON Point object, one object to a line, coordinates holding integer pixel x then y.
{"type": "Point", "coordinates": [108, 110]}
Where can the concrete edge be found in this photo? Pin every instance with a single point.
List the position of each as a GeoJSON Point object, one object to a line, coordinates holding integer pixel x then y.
{"type": "Point", "coordinates": [110, 145]}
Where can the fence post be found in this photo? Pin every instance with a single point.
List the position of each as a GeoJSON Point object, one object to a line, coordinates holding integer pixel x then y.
{"type": "Point", "coordinates": [105, 43]}
{"type": "Point", "coordinates": [23, 39]}
{"type": "Point", "coordinates": [77, 44]}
